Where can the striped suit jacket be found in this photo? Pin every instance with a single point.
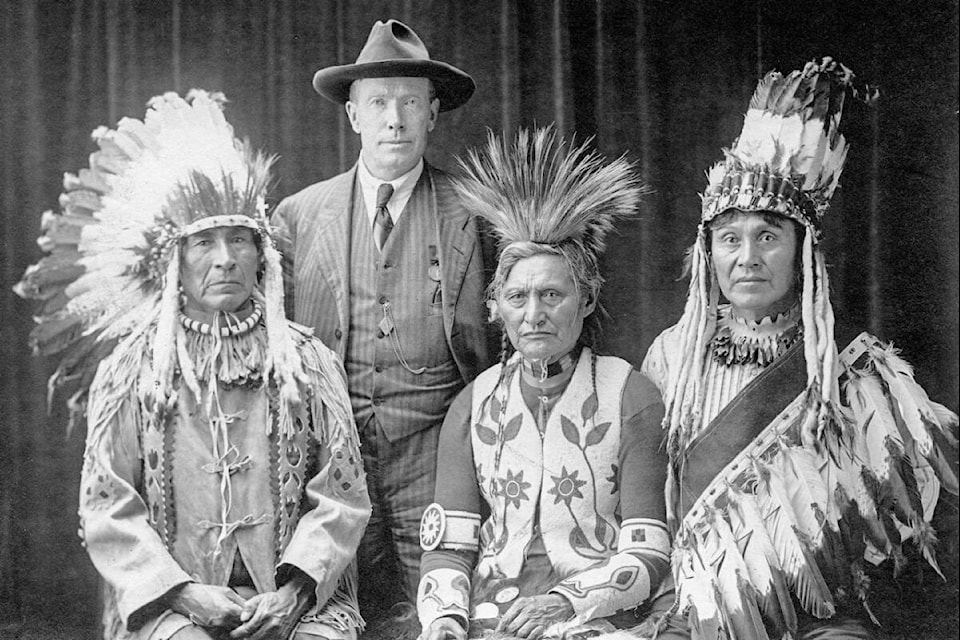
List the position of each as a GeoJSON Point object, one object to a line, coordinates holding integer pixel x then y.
{"type": "Point", "coordinates": [312, 231]}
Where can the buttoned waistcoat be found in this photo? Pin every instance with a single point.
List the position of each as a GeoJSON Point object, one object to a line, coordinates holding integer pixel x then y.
{"type": "Point", "coordinates": [312, 228]}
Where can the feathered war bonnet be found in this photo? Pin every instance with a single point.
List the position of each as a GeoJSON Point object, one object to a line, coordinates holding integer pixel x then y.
{"type": "Point", "coordinates": [787, 161]}
{"type": "Point", "coordinates": [113, 269]}
{"type": "Point", "coordinates": [542, 196]}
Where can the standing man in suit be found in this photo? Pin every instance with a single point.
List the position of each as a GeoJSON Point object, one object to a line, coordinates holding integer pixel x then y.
{"type": "Point", "coordinates": [386, 265]}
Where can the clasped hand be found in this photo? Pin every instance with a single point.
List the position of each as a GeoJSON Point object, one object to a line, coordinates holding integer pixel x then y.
{"type": "Point", "coordinates": [265, 616]}
{"type": "Point", "coordinates": [528, 617]}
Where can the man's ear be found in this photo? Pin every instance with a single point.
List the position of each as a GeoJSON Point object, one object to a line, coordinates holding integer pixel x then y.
{"type": "Point", "coordinates": [351, 110]}
{"type": "Point", "coordinates": [589, 304]}
{"type": "Point", "coordinates": [434, 113]}
{"type": "Point", "coordinates": [493, 311]}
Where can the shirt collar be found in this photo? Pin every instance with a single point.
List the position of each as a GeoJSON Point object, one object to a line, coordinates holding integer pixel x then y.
{"type": "Point", "coordinates": [402, 188]}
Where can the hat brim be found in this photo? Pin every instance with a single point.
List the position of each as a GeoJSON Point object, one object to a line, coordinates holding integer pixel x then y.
{"type": "Point", "coordinates": [453, 86]}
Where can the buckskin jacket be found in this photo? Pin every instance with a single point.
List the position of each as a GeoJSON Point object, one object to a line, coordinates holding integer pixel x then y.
{"type": "Point", "coordinates": [169, 496]}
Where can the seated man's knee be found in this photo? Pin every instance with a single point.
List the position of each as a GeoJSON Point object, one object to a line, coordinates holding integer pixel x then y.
{"type": "Point", "coordinates": [334, 635]}
{"type": "Point", "coordinates": [192, 632]}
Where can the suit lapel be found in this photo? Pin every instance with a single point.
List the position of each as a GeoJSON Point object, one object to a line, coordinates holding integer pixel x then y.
{"type": "Point", "coordinates": [331, 242]}
{"type": "Point", "coordinates": [457, 243]}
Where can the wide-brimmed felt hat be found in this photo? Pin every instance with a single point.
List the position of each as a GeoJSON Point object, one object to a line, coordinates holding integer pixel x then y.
{"type": "Point", "coordinates": [394, 50]}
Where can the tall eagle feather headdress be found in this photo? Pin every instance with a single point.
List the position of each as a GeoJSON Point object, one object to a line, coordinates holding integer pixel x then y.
{"type": "Point", "coordinates": [850, 469]}
{"type": "Point", "coordinates": [112, 266]}
{"type": "Point", "coordinates": [787, 160]}
{"type": "Point", "coordinates": [790, 152]}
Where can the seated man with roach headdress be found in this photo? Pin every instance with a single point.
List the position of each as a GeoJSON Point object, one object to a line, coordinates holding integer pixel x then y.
{"type": "Point", "coordinates": [222, 492]}
{"type": "Point", "coordinates": [557, 443]}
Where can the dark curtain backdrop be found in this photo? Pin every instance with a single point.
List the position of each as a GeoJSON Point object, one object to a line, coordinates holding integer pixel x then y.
{"type": "Point", "coordinates": [662, 81]}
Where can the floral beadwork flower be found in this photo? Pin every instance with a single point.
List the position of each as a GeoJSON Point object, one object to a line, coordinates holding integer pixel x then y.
{"type": "Point", "coordinates": [566, 486]}
{"type": "Point", "coordinates": [514, 488]}
{"type": "Point", "coordinates": [614, 479]}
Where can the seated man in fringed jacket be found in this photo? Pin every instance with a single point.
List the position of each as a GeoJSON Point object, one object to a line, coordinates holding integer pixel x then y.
{"type": "Point", "coordinates": [222, 489]}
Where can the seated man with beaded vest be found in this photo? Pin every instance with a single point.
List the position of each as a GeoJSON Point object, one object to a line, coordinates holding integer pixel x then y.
{"type": "Point", "coordinates": [557, 443]}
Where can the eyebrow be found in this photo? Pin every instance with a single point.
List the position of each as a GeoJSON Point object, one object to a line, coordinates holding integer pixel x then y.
{"type": "Point", "coordinates": [762, 227]}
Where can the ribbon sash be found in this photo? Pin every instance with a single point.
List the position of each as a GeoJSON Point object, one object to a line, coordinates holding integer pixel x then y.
{"type": "Point", "coordinates": [737, 424]}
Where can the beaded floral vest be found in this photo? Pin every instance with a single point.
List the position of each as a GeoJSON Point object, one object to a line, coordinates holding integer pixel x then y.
{"type": "Point", "coordinates": [570, 471]}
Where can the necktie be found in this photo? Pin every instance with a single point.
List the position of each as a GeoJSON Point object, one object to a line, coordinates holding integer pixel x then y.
{"type": "Point", "coordinates": [382, 222]}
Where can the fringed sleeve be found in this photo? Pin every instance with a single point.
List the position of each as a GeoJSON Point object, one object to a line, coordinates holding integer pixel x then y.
{"type": "Point", "coordinates": [328, 534]}
{"type": "Point", "coordinates": [115, 524]}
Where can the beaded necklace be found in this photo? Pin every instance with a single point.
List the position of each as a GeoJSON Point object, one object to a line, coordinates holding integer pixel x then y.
{"type": "Point", "coordinates": [550, 381]}
{"type": "Point", "coordinates": [739, 341]}
{"type": "Point", "coordinates": [227, 323]}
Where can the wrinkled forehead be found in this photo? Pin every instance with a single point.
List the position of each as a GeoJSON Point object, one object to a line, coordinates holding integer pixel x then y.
{"type": "Point", "coordinates": [538, 272]}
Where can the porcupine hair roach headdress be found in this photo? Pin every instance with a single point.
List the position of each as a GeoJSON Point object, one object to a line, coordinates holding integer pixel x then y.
{"type": "Point", "coordinates": [113, 264]}
{"type": "Point", "coordinates": [787, 161]}
{"type": "Point", "coordinates": [544, 197]}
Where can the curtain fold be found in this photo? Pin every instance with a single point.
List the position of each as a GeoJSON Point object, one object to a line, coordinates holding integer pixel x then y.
{"type": "Point", "coordinates": [664, 83]}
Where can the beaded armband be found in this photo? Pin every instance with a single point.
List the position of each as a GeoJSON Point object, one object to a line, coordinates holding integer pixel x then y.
{"type": "Point", "coordinates": [449, 530]}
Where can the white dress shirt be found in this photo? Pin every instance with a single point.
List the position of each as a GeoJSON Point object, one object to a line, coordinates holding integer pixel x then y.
{"type": "Point", "coordinates": [402, 190]}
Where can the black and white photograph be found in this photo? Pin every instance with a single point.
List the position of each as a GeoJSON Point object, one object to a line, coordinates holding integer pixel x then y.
{"type": "Point", "coordinates": [480, 319]}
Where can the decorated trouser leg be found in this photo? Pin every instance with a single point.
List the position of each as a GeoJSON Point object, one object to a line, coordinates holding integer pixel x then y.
{"type": "Point", "coordinates": [491, 598]}
{"type": "Point", "coordinates": [401, 479]}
